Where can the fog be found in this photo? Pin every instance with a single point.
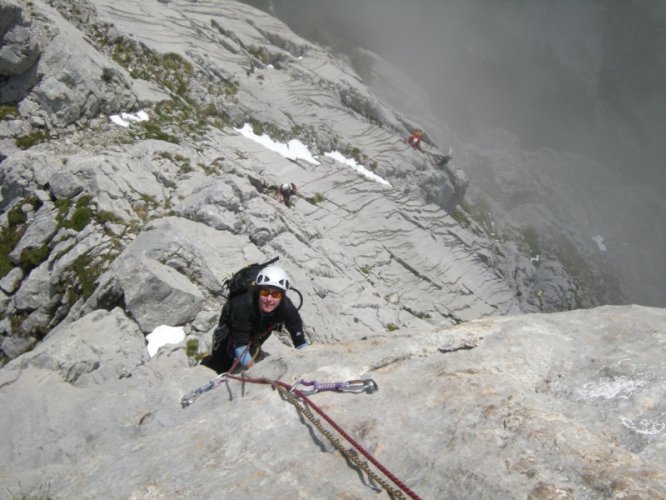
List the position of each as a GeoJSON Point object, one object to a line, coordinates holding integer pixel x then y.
{"type": "Point", "coordinates": [571, 76]}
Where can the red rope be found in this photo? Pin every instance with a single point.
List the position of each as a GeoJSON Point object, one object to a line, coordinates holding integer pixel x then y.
{"type": "Point", "coordinates": [342, 432]}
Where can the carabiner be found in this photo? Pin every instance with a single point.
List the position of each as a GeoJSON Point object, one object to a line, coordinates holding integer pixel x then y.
{"type": "Point", "coordinates": [305, 392]}
{"type": "Point", "coordinates": [191, 396]}
{"type": "Point", "coordinates": [354, 386]}
{"type": "Point", "coordinates": [363, 385]}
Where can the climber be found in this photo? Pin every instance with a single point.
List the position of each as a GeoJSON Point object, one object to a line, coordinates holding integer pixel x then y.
{"type": "Point", "coordinates": [414, 140]}
{"type": "Point", "coordinates": [285, 192]}
{"type": "Point", "coordinates": [248, 319]}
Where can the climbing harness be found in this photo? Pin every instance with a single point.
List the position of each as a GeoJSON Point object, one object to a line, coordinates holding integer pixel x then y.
{"type": "Point", "coordinates": [355, 386]}
{"type": "Point", "coordinates": [304, 405]}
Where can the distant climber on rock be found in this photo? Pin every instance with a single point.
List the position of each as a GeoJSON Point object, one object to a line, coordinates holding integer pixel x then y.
{"type": "Point", "coordinates": [414, 139]}
{"type": "Point", "coordinates": [285, 192]}
{"type": "Point", "coordinates": [248, 319]}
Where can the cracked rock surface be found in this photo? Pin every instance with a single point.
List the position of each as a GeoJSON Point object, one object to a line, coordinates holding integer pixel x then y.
{"type": "Point", "coordinates": [111, 232]}
{"type": "Point", "coordinates": [543, 405]}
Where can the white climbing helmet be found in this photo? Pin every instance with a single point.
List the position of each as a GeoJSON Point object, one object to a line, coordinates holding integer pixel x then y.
{"type": "Point", "coordinates": [273, 276]}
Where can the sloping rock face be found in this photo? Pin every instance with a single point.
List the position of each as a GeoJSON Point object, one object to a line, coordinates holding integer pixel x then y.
{"type": "Point", "coordinates": [110, 231]}
{"type": "Point", "coordinates": [180, 200]}
{"type": "Point", "coordinates": [591, 211]}
{"type": "Point", "coordinates": [565, 405]}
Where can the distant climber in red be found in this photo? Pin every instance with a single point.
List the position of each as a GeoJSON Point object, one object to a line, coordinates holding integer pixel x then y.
{"type": "Point", "coordinates": [414, 140]}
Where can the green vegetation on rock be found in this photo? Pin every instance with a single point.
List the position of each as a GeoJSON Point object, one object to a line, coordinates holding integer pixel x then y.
{"type": "Point", "coordinates": [8, 111]}
{"type": "Point", "coordinates": [29, 140]}
{"type": "Point", "coordinates": [11, 235]}
{"type": "Point", "coordinates": [81, 216]}
{"type": "Point", "coordinates": [316, 198]}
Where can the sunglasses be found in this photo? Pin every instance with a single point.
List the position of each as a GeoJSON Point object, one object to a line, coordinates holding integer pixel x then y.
{"type": "Point", "coordinates": [276, 294]}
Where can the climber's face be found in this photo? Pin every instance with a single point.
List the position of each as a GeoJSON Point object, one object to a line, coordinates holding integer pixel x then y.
{"type": "Point", "coordinates": [269, 299]}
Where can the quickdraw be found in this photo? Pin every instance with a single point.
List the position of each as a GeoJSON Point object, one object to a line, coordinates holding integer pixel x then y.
{"type": "Point", "coordinates": [355, 386]}
{"type": "Point", "coordinates": [191, 396]}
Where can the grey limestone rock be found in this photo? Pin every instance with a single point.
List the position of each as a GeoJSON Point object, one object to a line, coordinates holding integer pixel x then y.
{"type": "Point", "coordinates": [156, 294]}
{"type": "Point", "coordinates": [18, 53]}
{"type": "Point", "coordinates": [65, 185]}
{"type": "Point", "coordinates": [11, 281]}
{"type": "Point", "coordinates": [15, 345]}
{"type": "Point", "coordinates": [34, 290]}
{"type": "Point", "coordinates": [38, 233]}
{"type": "Point", "coordinates": [505, 407]}
{"type": "Point", "coordinates": [477, 399]}
{"type": "Point", "coordinates": [20, 48]}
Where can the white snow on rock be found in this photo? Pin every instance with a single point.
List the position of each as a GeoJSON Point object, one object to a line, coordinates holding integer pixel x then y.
{"type": "Point", "coordinates": [163, 335]}
{"type": "Point", "coordinates": [339, 157]}
{"type": "Point", "coordinates": [124, 119]}
{"type": "Point", "coordinates": [293, 150]}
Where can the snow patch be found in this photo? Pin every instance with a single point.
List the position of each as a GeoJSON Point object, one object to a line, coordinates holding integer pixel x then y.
{"type": "Point", "coordinates": [124, 119]}
{"type": "Point", "coordinates": [339, 157]}
{"type": "Point", "coordinates": [163, 335]}
{"type": "Point", "coordinates": [293, 150]}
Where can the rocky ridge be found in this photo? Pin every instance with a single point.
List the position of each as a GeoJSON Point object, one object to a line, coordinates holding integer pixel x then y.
{"type": "Point", "coordinates": [112, 231]}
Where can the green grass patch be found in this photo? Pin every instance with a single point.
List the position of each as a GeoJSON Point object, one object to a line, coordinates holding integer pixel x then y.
{"type": "Point", "coordinates": [33, 257]}
{"type": "Point", "coordinates": [86, 274]}
{"type": "Point", "coordinates": [9, 237]}
{"type": "Point", "coordinates": [16, 217]}
{"type": "Point", "coordinates": [80, 218]}
{"type": "Point", "coordinates": [230, 87]}
{"type": "Point", "coordinates": [266, 57]}
{"type": "Point", "coordinates": [8, 111]}
{"type": "Point", "coordinates": [104, 216]}
{"type": "Point", "coordinates": [317, 198]}
{"type": "Point", "coordinates": [154, 131]}
{"type": "Point", "coordinates": [192, 350]}
{"type": "Point", "coordinates": [170, 71]}
{"type": "Point", "coordinates": [29, 140]}
{"type": "Point", "coordinates": [352, 152]}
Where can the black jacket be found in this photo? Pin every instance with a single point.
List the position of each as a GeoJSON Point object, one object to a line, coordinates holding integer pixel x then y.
{"type": "Point", "coordinates": [246, 323]}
